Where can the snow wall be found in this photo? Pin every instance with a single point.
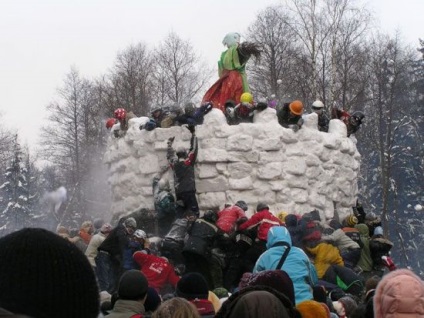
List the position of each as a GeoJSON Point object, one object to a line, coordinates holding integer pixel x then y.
{"type": "Point", "coordinates": [259, 161]}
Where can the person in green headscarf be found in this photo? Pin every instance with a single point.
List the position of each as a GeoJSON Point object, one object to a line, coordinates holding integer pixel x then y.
{"type": "Point", "coordinates": [232, 82]}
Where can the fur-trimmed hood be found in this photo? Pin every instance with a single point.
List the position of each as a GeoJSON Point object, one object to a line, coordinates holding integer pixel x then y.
{"type": "Point", "coordinates": [400, 294]}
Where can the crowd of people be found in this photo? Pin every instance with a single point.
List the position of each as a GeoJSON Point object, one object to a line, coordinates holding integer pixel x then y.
{"type": "Point", "coordinates": [217, 264]}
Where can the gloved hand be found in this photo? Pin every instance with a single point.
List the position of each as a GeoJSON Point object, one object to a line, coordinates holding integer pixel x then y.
{"type": "Point", "coordinates": [171, 140]}
{"type": "Point", "coordinates": [191, 128]}
{"type": "Point", "coordinates": [388, 262]}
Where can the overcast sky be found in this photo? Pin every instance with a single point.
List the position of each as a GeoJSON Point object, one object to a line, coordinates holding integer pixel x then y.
{"type": "Point", "coordinates": [40, 40]}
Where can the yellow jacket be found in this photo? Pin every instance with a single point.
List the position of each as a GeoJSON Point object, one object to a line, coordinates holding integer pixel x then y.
{"type": "Point", "coordinates": [325, 255]}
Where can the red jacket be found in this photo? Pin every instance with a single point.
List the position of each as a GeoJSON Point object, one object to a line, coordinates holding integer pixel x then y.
{"type": "Point", "coordinates": [157, 270]}
{"type": "Point", "coordinates": [227, 218]}
{"type": "Point", "coordinates": [264, 219]}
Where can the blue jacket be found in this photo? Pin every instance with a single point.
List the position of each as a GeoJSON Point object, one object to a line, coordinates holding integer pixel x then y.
{"type": "Point", "coordinates": [297, 264]}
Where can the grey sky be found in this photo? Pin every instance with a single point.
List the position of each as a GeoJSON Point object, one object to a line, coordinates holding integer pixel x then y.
{"type": "Point", "coordinates": [41, 40]}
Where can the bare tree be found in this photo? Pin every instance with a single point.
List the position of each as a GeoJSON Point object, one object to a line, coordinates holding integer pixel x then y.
{"type": "Point", "coordinates": [130, 81]}
{"type": "Point", "coordinates": [271, 75]}
{"type": "Point", "coordinates": [179, 73]}
{"type": "Point", "coordinates": [64, 140]}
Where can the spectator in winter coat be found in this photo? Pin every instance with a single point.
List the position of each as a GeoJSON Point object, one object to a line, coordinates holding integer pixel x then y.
{"type": "Point", "coordinates": [323, 120]}
{"type": "Point", "coordinates": [325, 255]}
{"type": "Point", "coordinates": [290, 115]}
{"type": "Point", "coordinates": [77, 240]}
{"type": "Point", "coordinates": [158, 115]}
{"type": "Point", "coordinates": [256, 302]}
{"type": "Point", "coordinates": [195, 116]}
{"type": "Point", "coordinates": [352, 122]}
{"type": "Point", "coordinates": [109, 260]}
{"type": "Point", "coordinates": [86, 231]}
{"type": "Point", "coordinates": [97, 239]}
{"type": "Point", "coordinates": [182, 164]}
{"type": "Point", "coordinates": [132, 294]}
{"type": "Point", "coordinates": [164, 202]}
{"type": "Point", "coordinates": [365, 264]}
{"type": "Point", "coordinates": [194, 288]}
{"type": "Point", "coordinates": [135, 243]}
{"type": "Point", "coordinates": [310, 229]}
{"type": "Point", "coordinates": [372, 221]}
{"type": "Point", "coordinates": [123, 118]}
{"type": "Point", "coordinates": [291, 221]}
{"type": "Point", "coordinates": [44, 275]}
{"type": "Point", "coordinates": [176, 308]}
{"type": "Point", "coordinates": [173, 243]}
{"type": "Point", "coordinates": [296, 264]}
{"type": "Point", "coordinates": [380, 250]}
{"type": "Point", "coordinates": [350, 251]}
{"type": "Point", "coordinates": [157, 270]}
{"type": "Point", "coordinates": [399, 294]}
{"type": "Point", "coordinates": [228, 217]}
{"type": "Point", "coordinates": [263, 219]}
{"type": "Point", "coordinates": [198, 249]}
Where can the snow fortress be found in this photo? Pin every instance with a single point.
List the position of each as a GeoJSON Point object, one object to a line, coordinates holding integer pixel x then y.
{"type": "Point", "coordinates": [255, 162]}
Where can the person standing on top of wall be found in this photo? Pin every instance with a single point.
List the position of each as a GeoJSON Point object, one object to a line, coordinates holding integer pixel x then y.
{"type": "Point", "coordinates": [182, 163]}
{"type": "Point", "coordinates": [323, 121]}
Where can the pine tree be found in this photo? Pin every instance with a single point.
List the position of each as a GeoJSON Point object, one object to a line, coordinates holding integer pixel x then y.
{"type": "Point", "coordinates": [15, 212]}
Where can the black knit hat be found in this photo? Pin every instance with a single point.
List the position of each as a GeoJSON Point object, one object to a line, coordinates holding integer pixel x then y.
{"type": "Point", "coordinates": [153, 300]}
{"type": "Point", "coordinates": [44, 275]}
{"type": "Point", "coordinates": [133, 285]}
{"type": "Point", "coordinates": [192, 286]}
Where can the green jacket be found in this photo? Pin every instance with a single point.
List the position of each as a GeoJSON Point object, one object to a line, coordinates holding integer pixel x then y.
{"type": "Point", "coordinates": [365, 261]}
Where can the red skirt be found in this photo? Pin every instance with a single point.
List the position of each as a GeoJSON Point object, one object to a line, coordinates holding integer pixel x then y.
{"type": "Point", "coordinates": [229, 86]}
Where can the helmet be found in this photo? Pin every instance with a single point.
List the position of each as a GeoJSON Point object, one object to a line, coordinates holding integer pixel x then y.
{"type": "Point", "coordinates": [378, 230]}
{"type": "Point", "coordinates": [261, 104]}
{"type": "Point", "coordinates": [296, 107]}
{"type": "Point", "coordinates": [140, 234]}
{"type": "Point", "coordinates": [246, 98]}
{"type": "Point", "coordinates": [155, 109]}
{"type": "Point", "coordinates": [130, 222]}
{"type": "Point", "coordinates": [106, 228]}
{"type": "Point", "coordinates": [317, 104]}
{"type": "Point", "coordinates": [120, 113]}
{"type": "Point", "coordinates": [211, 216]}
{"type": "Point", "coordinates": [358, 116]}
{"type": "Point", "coordinates": [181, 152]}
{"type": "Point", "coordinates": [242, 205]}
{"type": "Point", "coordinates": [230, 103]}
{"type": "Point", "coordinates": [110, 122]}
{"type": "Point", "coordinates": [282, 216]}
{"type": "Point", "coordinates": [262, 206]}
{"type": "Point", "coordinates": [189, 108]}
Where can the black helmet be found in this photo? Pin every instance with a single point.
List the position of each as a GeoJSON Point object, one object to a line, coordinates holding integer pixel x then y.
{"type": "Point", "coordinates": [181, 152]}
{"type": "Point", "coordinates": [189, 108]}
{"type": "Point", "coordinates": [358, 116]}
{"type": "Point", "coordinates": [262, 206]}
{"type": "Point", "coordinates": [211, 216]}
{"type": "Point", "coordinates": [242, 205]}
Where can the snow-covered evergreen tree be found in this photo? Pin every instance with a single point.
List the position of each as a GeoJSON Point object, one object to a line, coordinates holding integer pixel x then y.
{"type": "Point", "coordinates": [15, 207]}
